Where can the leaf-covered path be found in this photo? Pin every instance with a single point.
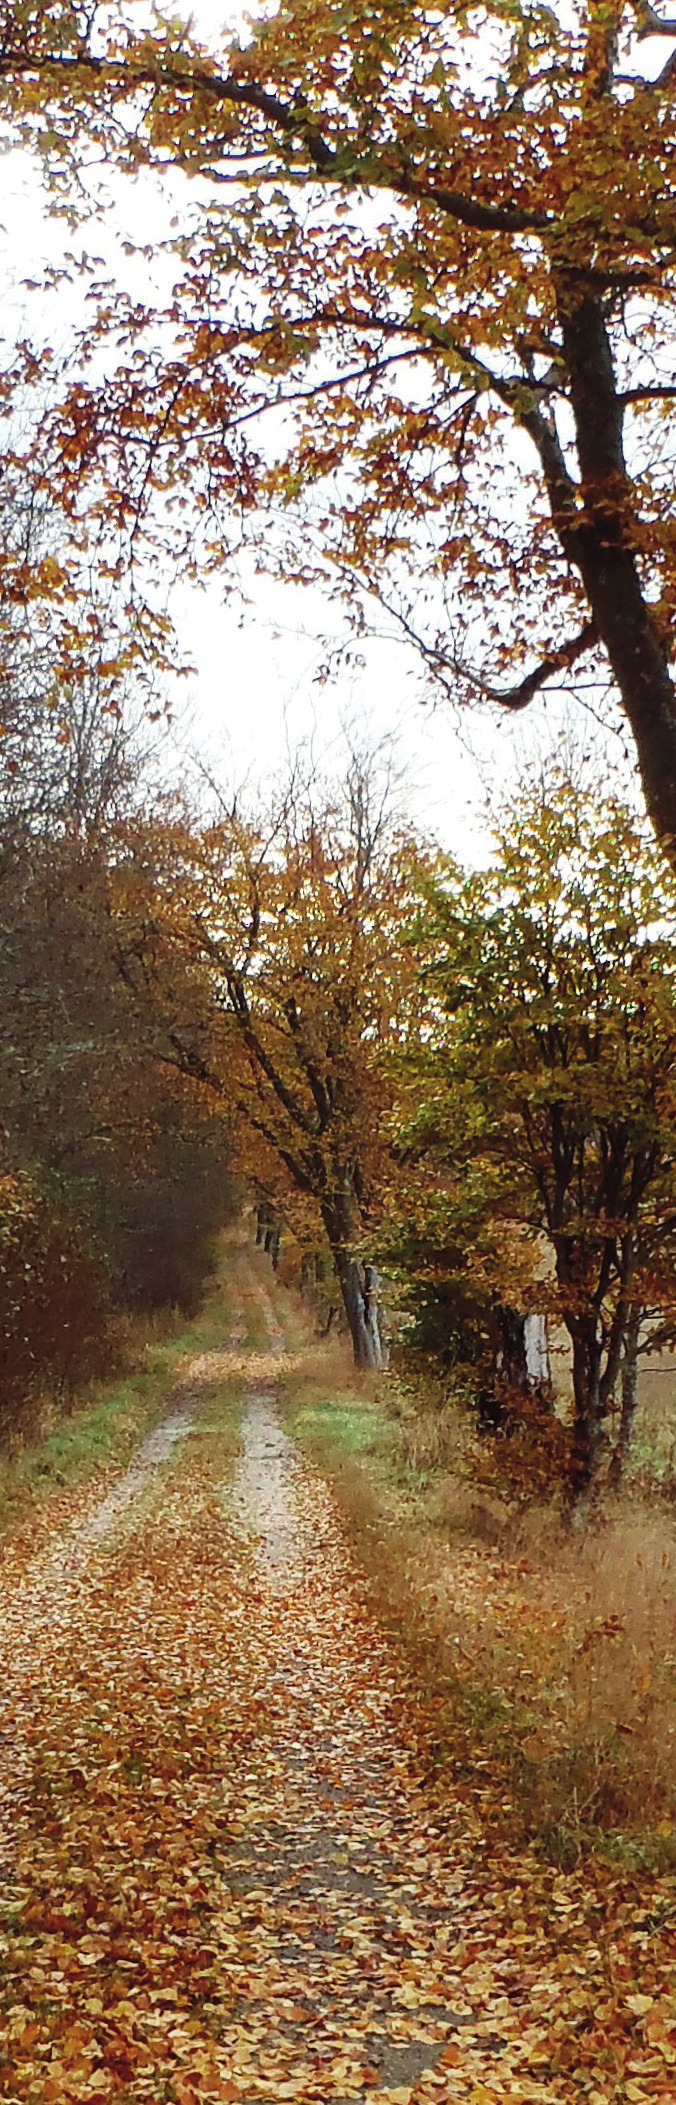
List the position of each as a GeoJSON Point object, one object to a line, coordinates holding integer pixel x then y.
{"type": "Point", "coordinates": [229, 1877]}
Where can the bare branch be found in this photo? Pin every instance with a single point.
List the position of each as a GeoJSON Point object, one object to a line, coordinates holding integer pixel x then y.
{"type": "Point", "coordinates": [652, 24]}
{"type": "Point", "coordinates": [519, 696]}
{"type": "Point", "coordinates": [648, 394]}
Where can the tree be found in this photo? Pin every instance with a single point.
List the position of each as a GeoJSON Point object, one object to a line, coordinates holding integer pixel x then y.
{"type": "Point", "coordinates": [293, 937]}
{"type": "Point", "coordinates": [54, 1298]}
{"type": "Point", "coordinates": [99, 1135]}
{"type": "Point", "coordinates": [77, 647]}
{"type": "Point", "coordinates": [452, 1254]}
{"type": "Point", "coordinates": [436, 249]}
{"type": "Point", "coordinates": [112, 1179]}
{"type": "Point", "coordinates": [555, 1078]}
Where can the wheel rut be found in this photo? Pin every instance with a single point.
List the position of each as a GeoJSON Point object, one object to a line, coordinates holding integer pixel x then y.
{"type": "Point", "coordinates": [231, 1878]}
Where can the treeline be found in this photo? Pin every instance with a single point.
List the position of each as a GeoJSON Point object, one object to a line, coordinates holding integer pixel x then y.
{"type": "Point", "coordinates": [466, 1081]}
{"type": "Point", "coordinates": [461, 1083]}
{"type": "Point", "coordinates": [466, 1078]}
{"type": "Point", "coordinates": [114, 1175]}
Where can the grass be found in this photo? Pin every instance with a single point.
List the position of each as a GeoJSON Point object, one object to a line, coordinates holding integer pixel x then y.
{"type": "Point", "coordinates": [106, 1423]}
{"type": "Point", "coordinates": [342, 1425]}
{"type": "Point", "coordinates": [215, 1434]}
{"type": "Point", "coordinates": [544, 1663]}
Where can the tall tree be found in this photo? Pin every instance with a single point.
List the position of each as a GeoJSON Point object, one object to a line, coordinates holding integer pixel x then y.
{"type": "Point", "coordinates": [293, 940]}
{"type": "Point", "coordinates": [437, 247]}
{"type": "Point", "coordinates": [94, 1129]}
{"type": "Point", "coordinates": [554, 1078]}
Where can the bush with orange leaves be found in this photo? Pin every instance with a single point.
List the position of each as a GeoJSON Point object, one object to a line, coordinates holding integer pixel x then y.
{"type": "Point", "coordinates": [529, 1454]}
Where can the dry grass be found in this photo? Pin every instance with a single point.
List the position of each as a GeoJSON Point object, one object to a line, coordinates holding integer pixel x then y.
{"type": "Point", "coordinates": [602, 1614]}
{"type": "Point", "coordinates": [545, 1659]}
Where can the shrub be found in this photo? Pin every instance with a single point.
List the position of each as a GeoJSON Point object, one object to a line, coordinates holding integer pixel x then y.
{"type": "Point", "coordinates": [53, 1298]}
{"type": "Point", "coordinates": [159, 1226]}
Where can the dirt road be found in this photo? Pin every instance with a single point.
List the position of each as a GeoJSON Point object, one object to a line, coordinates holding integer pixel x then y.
{"type": "Point", "coordinates": [228, 1876]}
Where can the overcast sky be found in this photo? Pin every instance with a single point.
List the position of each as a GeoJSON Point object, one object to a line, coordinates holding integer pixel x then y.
{"type": "Point", "coordinates": [254, 695]}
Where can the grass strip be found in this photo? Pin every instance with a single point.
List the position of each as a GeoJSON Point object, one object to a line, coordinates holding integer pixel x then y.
{"type": "Point", "coordinates": [102, 1429]}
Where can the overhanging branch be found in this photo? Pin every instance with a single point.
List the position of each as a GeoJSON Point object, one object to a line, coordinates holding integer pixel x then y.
{"type": "Point", "coordinates": [292, 122]}
{"type": "Point", "coordinates": [521, 694]}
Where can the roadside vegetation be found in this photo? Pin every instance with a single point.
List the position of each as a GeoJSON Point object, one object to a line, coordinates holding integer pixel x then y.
{"type": "Point", "coordinates": [449, 1099]}
{"type": "Point", "coordinates": [88, 1441]}
{"type": "Point", "coordinates": [543, 1660]}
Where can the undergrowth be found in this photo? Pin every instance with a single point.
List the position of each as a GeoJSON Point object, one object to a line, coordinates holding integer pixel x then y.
{"type": "Point", "coordinates": [58, 1452]}
{"type": "Point", "coordinates": [545, 1659]}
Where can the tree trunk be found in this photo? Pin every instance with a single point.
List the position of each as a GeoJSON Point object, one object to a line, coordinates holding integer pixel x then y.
{"type": "Point", "coordinates": [604, 542]}
{"type": "Point", "coordinates": [363, 1332]}
{"type": "Point", "coordinates": [511, 1359]}
{"type": "Point", "coordinates": [536, 1342]}
{"type": "Point", "coordinates": [373, 1314]}
{"type": "Point", "coordinates": [506, 1373]}
{"type": "Point", "coordinates": [588, 1434]}
{"type": "Point", "coordinates": [358, 1287]}
{"type": "Point", "coordinates": [308, 1277]}
{"type": "Point", "coordinates": [629, 1399]}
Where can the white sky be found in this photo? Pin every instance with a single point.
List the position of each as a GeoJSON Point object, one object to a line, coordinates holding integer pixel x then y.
{"type": "Point", "coordinates": [254, 695]}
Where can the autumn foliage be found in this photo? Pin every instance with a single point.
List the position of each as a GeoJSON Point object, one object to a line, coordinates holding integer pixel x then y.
{"type": "Point", "coordinates": [54, 1299]}
{"type": "Point", "coordinates": [428, 360]}
{"type": "Point", "coordinates": [275, 954]}
{"type": "Point", "coordinates": [538, 1105]}
{"type": "Point", "coordinates": [114, 1182]}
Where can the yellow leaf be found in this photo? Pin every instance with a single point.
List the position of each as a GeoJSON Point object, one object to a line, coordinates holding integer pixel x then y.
{"type": "Point", "coordinates": [408, 1994]}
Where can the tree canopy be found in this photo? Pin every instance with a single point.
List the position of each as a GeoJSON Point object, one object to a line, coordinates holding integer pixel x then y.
{"type": "Point", "coordinates": [548, 1090]}
{"type": "Point", "coordinates": [279, 972]}
{"type": "Point", "coordinates": [420, 315]}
